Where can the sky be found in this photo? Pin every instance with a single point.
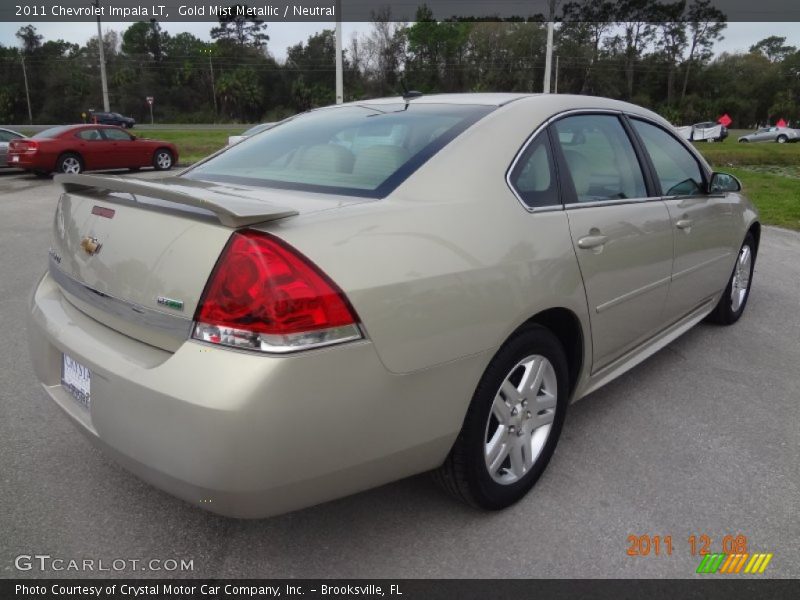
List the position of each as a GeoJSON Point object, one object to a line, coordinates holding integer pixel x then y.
{"type": "Point", "coordinates": [738, 36]}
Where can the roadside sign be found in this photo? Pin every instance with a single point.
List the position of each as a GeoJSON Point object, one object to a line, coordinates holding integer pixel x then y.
{"type": "Point", "coordinates": [725, 120]}
{"type": "Point", "coordinates": [150, 100]}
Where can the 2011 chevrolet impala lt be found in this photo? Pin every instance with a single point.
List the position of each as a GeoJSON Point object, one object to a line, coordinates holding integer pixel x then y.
{"type": "Point", "coordinates": [378, 289]}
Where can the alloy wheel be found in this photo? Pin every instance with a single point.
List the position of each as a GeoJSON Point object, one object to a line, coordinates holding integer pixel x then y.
{"type": "Point", "coordinates": [741, 278]}
{"type": "Point", "coordinates": [520, 420]}
{"type": "Point", "coordinates": [71, 165]}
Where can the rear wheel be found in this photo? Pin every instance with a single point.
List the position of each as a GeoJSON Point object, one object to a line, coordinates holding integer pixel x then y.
{"type": "Point", "coordinates": [69, 163]}
{"type": "Point", "coordinates": [512, 424]}
{"type": "Point", "coordinates": [162, 160]}
{"type": "Point", "coordinates": [734, 299]}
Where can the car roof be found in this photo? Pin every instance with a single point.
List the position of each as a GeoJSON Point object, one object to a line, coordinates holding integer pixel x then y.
{"type": "Point", "coordinates": [550, 103]}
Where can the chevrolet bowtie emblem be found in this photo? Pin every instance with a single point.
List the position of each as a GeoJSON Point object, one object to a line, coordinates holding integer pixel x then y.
{"type": "Point", "coordinates": [90, 245]}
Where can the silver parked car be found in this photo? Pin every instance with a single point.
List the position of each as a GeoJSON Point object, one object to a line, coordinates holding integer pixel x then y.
{"type": "Point", "coordinates": [378, 289]}
{"type": "Point", "coordinates": [6, 136]}
{"type": "Point", "coordinates": [780, 135]}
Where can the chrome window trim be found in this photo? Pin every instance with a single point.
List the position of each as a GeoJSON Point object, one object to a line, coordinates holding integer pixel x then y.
{"type": "Point", "coordinates": [704, 166]}
{"type": "Point", "coordinates": [174, 325]}
{"type": "Point", "coordinates": [532, 138]}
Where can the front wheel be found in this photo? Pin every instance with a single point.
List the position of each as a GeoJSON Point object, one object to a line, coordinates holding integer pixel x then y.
{"type": "Point", "coordinates": [162, 160]}
{"type": "Point", "coordinates": [782, 139]}
{"type": "Point", "coordinates": [734, 299]}
{"type": "Point", "coordinates": [512, 424]}
{"type": "Point", "coordinates": [69, 163]}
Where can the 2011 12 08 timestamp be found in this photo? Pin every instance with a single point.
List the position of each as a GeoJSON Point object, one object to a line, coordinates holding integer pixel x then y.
{"type": "Point", "coordinates": [698, 544]}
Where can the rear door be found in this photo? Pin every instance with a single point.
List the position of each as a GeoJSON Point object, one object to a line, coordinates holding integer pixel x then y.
{"type": "Point", "coordinates": [621, 234]}
{"type": "Point", "coordinates": [702, 224]}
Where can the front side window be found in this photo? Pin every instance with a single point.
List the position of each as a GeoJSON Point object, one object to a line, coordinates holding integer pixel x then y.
{"type": "Point", "coordinates": [355, 150]}
{"type": "Point", "coordinates": [677, 170]}
{"type": "Point", "coordinates": [599, 158]}
{"type": "Point", "coordinates": [533, 177]}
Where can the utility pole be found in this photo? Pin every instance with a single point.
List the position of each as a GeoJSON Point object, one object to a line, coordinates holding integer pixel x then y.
{"type": "Point", "coordinates": [548, 59]}
{"type": "Point", "coordinates": [213, 85]}
{"type": "Point", "coordinates": [339, 61]}
{"type": "Point", "coordinates": [27, 93]}
{"type": "Point", "coordinates": [103, 80]}
{"type": "Point", "coordinates": [555, 91]}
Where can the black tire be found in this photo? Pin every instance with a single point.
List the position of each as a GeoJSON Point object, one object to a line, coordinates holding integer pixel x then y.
{"type": "Point", "coordinates": [726, 313]}
{"type": "Point", "coordinates": [69, 162]}
{"type": "Point", "coordinates": [782, 139]}
{"type": "Point", "coordinates": [160, 162]}
{"type": "Point", "coordinates": [465, 474]}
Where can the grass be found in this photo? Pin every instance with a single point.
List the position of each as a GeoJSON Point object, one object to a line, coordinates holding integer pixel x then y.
{"type": "Point", "coordinates": [777, 197]}
{"type": "Point", "coordinates": [193, 144]}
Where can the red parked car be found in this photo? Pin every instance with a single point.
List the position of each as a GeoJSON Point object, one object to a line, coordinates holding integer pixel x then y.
{"type": "Point", "coordinates": [76, 148]}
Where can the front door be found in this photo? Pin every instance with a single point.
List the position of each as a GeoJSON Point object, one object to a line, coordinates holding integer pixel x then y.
{"type": "Point", "coordinates": [622, 237]}
{"type": "Point", "coordinates": [703, 226]}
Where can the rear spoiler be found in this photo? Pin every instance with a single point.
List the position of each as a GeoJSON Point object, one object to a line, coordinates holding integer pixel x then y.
{"type": "Point", "coordinates": [231, 210]}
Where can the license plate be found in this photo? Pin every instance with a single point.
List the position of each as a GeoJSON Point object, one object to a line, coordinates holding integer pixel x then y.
{"type": "Point", "coordinates": [15, 159]}
{"type": "Point", "coordinates": [77, 380]}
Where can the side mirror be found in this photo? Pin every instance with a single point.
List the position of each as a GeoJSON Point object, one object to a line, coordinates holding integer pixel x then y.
{"type": "Point", "coordinates": [724, 182]}
{"type": "Point", "coordinates": [134, 138]}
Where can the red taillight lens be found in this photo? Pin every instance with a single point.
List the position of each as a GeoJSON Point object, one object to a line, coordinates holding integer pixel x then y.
{"type": "Point", "coordinates": [265, 295]}
{"type": "Point", "coordinates": [27, 146]}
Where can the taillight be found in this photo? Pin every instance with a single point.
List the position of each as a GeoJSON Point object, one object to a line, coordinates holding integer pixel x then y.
{"type": "Point", "coordinates": [27, 146]}
{"type": "Point", "coordinates": [264, 295]}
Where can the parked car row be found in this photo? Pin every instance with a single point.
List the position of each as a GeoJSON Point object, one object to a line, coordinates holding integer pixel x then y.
{"type": "Point", "coordinates": [73, 149]}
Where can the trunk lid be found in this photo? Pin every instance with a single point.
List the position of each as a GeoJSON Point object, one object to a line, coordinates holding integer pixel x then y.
{"type": "Point", "coordinates": [136, 255]}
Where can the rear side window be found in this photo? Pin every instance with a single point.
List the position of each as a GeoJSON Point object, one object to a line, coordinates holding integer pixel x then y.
{"type": "Point", "coordinates": [116, 135]}
{"type": "Point", "coordinates": [677, 170]}
{"type": "Point", "coordinates": [599, 158]}
{"type": "Point", "coordinates": [533, 177]}
{"type": "Point", "coordinates": [92, 135]}
{"type": "Point", "coordinates": [354, 150]}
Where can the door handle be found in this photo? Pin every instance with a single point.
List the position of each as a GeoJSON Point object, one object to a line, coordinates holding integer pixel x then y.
{"type": "Point", "coordinates": [684, 224]}
{"type": "Point", "coordinates": [592, 241]}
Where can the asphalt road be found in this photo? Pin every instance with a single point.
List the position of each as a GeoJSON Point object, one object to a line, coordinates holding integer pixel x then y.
{"type": "Point", "coordinates": [700, 439]}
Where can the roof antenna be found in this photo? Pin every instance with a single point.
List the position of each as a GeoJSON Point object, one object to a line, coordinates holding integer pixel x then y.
{"type": "Point", "coordinates": [408, 94]}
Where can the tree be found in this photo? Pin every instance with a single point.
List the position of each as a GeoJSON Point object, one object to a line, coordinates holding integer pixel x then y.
{"type": "Point", "coordinates": [671, 39]}
{"type": "Point", "coordinates": [706, 24]}
{"type": "Point", "coordinates": [774, 48]}
{"type": "Point", "coordinates": [31, 41]}
{"type": "Point", "coordinates": [638, 33]}
{"type": "Point", "coordinates": [241, 30]}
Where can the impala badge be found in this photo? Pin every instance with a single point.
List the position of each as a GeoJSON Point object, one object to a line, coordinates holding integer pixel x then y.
{"type": "Point", "coordinates": [170, 303]}
{"type": "Point", "coordinates": [90, 245]}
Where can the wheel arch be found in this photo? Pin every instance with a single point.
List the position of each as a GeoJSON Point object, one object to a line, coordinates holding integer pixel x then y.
{"type": "Point", "coordinates": [566, 326]}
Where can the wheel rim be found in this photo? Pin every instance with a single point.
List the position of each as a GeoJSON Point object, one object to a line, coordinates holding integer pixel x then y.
{"type": "Point", "coordinates": [740, 285]}
{"type": "Point", "coordinates": [520, 420]}
{"type": "Point", "coordinates": [781, 140]}
{"type": "Point", "coordinates": [164, 160]}
{"type": "Point", "coordinates": [71, 165]}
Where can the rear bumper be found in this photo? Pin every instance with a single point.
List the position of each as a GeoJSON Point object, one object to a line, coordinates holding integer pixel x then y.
{"type": "Point", "coordinates": [246, 435]}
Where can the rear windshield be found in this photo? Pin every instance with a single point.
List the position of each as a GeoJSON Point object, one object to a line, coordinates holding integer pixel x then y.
{"type": "Point", "coordinates": [51, 133]}
{"type": "Point", "coordinates": [354, 150]}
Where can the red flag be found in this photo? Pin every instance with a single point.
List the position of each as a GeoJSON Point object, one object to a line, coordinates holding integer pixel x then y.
{"type": "Point", "coordinates": [780, 123]}
{"type": "Point", "coordinates": [725, 120]}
